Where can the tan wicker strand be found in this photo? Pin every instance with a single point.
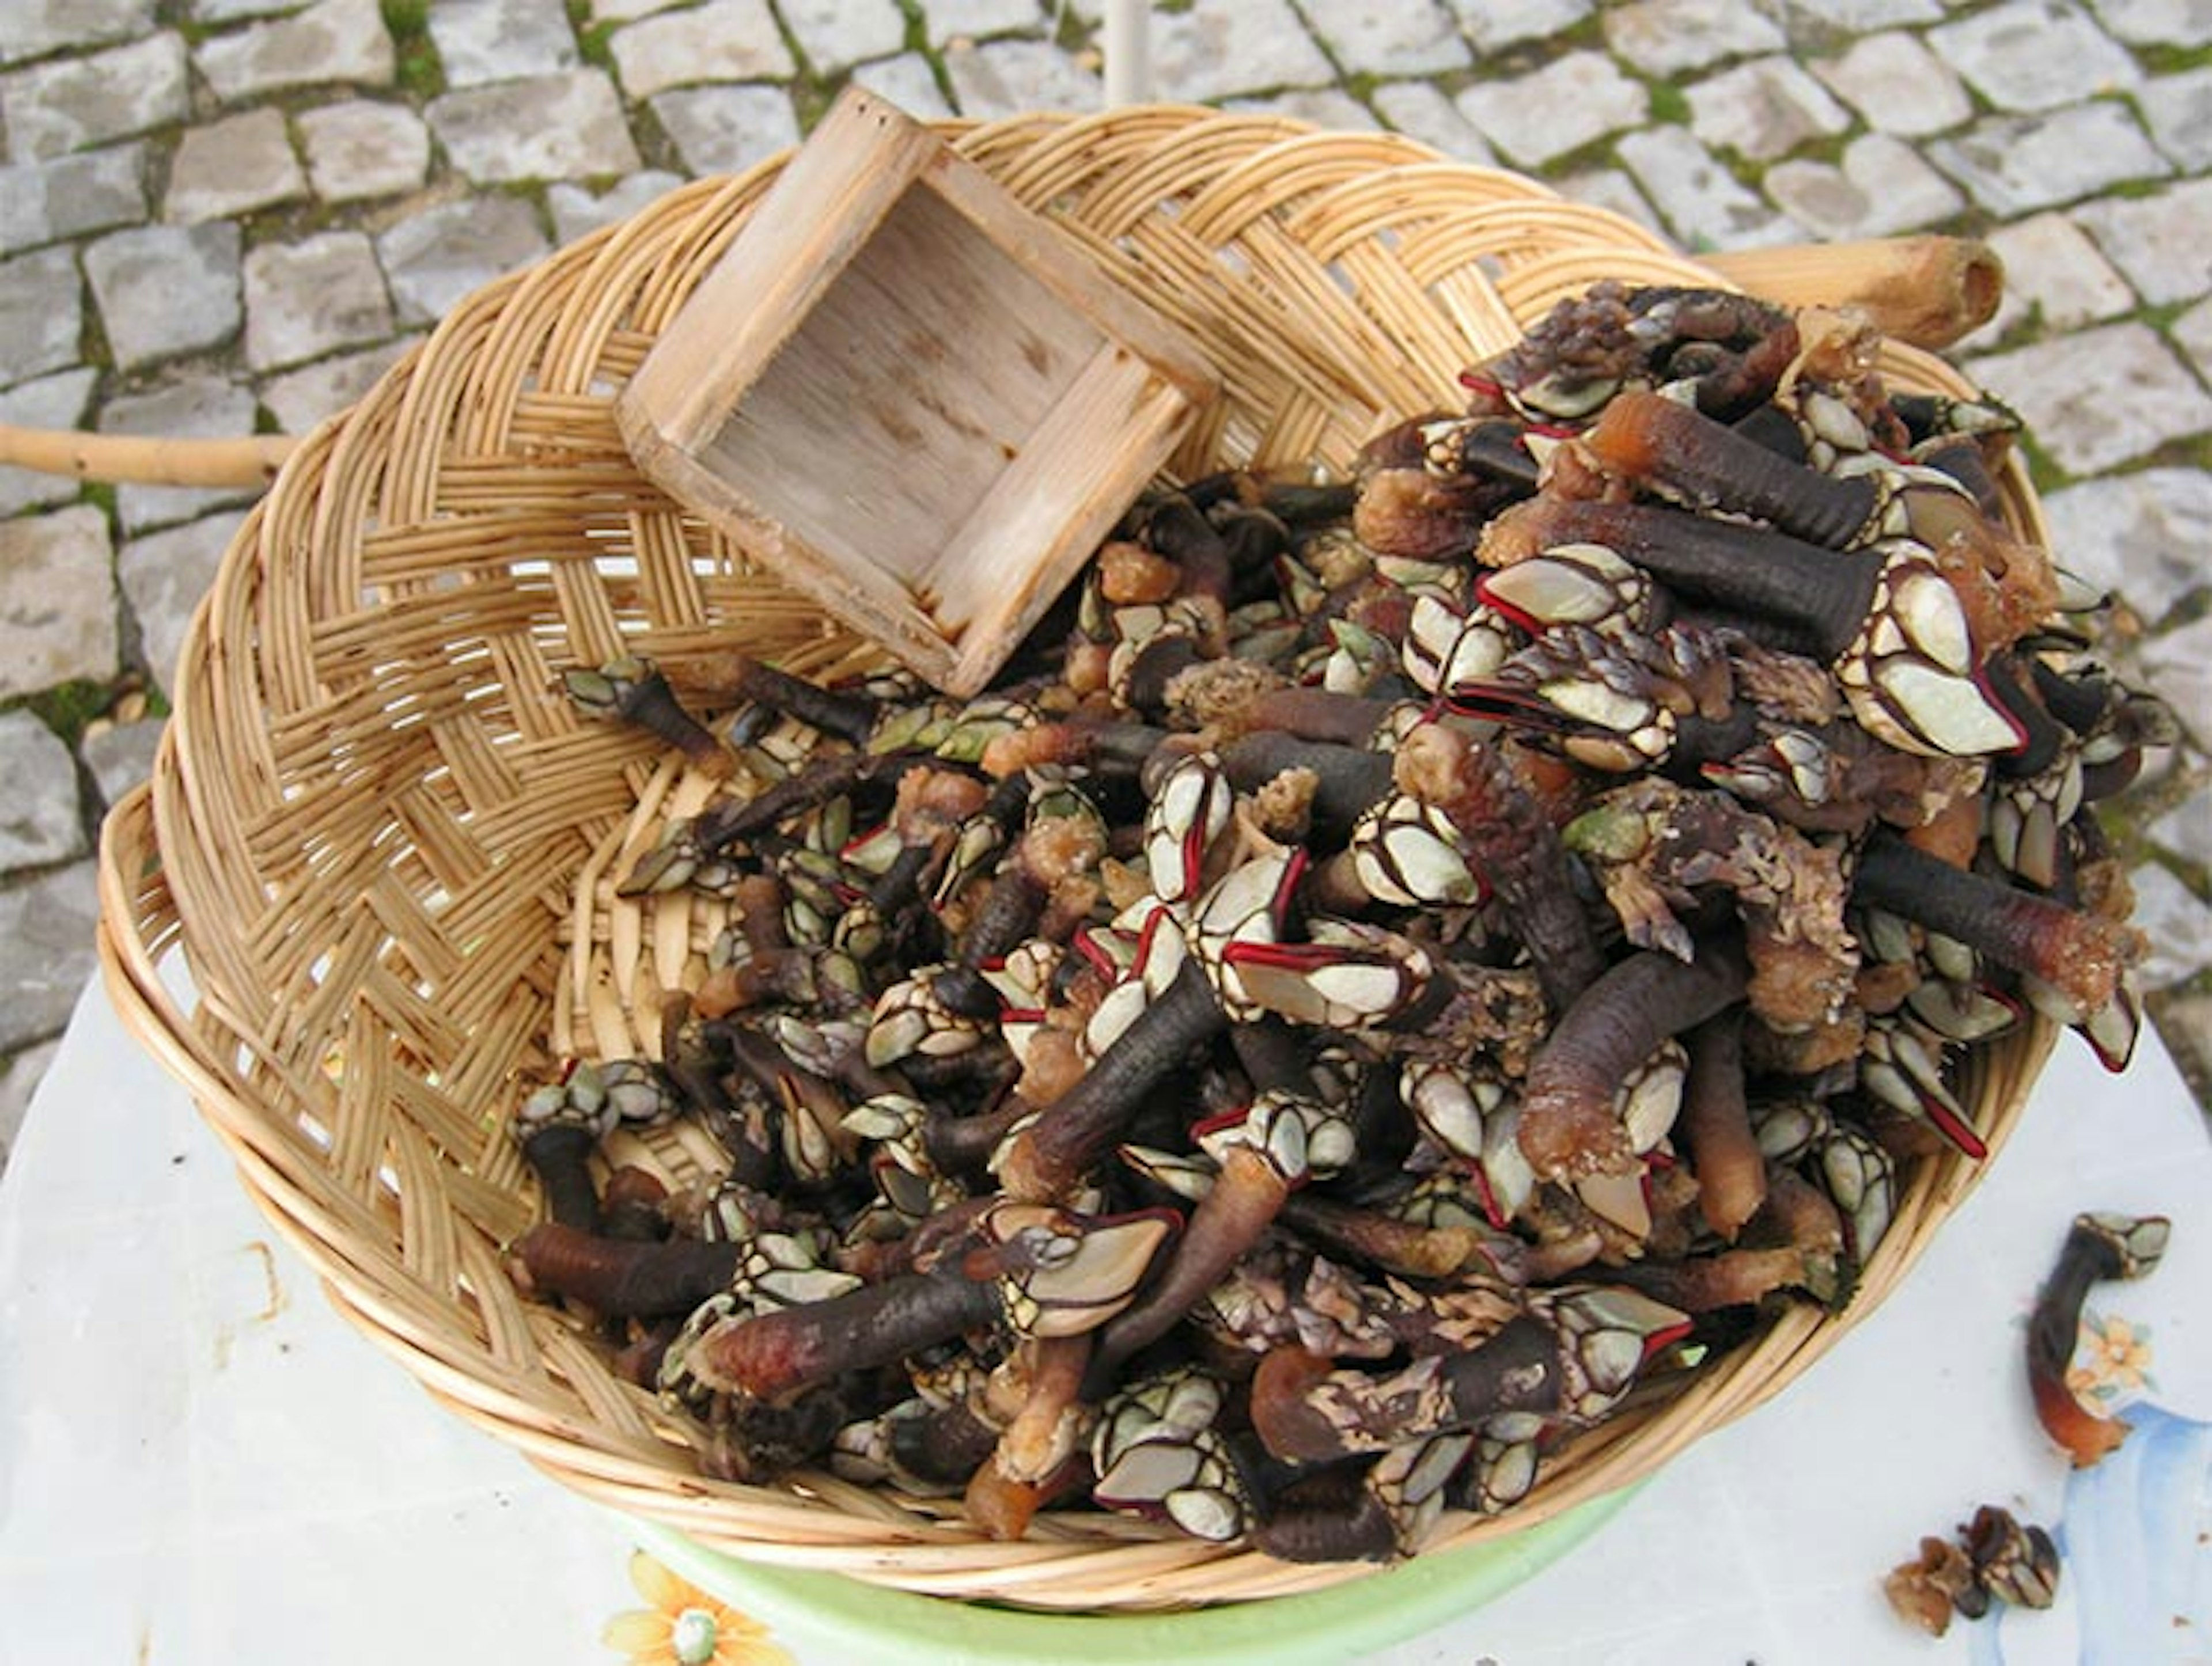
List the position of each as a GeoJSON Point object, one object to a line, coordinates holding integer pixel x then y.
{"type": "Point", "coordinates": [386, 849]}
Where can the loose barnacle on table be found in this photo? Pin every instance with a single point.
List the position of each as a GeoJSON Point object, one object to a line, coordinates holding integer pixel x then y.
{"type": "Point", "coordinates": [1408, 964]}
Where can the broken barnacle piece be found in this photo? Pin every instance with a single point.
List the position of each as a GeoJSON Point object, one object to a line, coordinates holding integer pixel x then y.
{"type": "Point", "coordinates": [1427, 485]}
{"type": "Point", "coordinates": [1157, 1453]}
{"type": "Point", "coordinates": [630, 688]}
{"type": "Point", "coordinates": [1398, 1500]}
{"type": "Point", "coordinates": [2099, 1246]}
{"type": "Point", "coordinates": [1933, 1585]}
{"type": "Point", "coordinates": [1994, 1558]}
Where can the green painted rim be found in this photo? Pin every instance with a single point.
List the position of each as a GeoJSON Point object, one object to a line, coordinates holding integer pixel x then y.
{"type": "Point", "coordinates": [853, 1619]}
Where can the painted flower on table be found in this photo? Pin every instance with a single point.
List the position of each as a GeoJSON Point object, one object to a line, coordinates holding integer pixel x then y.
{"type": "Point", "coordinates": [681, 1626]}
{"type": "Point", "coordinates": [2111, 1360]}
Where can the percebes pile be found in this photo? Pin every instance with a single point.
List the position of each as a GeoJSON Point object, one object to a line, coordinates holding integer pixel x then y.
{"type": "Point", "coordinates": [1395, 967]}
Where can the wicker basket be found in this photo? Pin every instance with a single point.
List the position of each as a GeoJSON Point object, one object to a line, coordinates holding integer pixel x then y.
{"type": "Point", "coordinates": [383, 844]}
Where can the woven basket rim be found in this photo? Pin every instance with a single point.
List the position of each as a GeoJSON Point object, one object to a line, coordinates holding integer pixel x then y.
{"type": "Point", "coordinates": [185, 863]}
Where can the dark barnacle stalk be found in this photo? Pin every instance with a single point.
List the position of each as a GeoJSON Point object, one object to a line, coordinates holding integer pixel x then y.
{"type": "Point", "coordinates": [623, 1278]}
{"type": "Point", "coordinates": [739, 678]}
{"type": "Point", "coordinates": [2098, 1247]}
{"type": "Point", "coordinates": [633, 690]}
{"type": "Point", "coordinates": [2080, 954]}
{"type": "Point", "coordinates": [1715, 1127]}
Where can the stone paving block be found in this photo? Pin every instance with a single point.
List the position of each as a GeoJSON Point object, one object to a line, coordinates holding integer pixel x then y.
{"type": "Point", "coordinates": [2163, 243]}
{"type": "Point", "coordinates": [195, 404]}
{"type": "Point", "coordinates": [71, 103]}
{"type": "Point", "coordinates": [1763, 109]}
{"type": "Point", "coordinates": [71, 196]}
{"type": "Point", "coordinates": [163, 576]}
{"type": "Point", "coordinates": [1326, 107]}
{"type": "Point", "coordinates": [362, 148]}
{"type": "Point", "coordinates": [2192, 333]}
{"type": "Point", "coordinates": [165, 290]}
{"type": "Point", "coordinates": [1858, 17]}
{"type": "Point", "coordinates": [59, 401]}
{"type": "Point", "coordinates": [483, 40]}
{"type": "Point", "coordinates": [2014, 165]}
{"type": "Point", "coordinates": [836, 34]}
{"type": "Point", "coordinates": [998, 78]}
{"type": "Point", "coordinates": [1611, 188]}
{"type": "Point", "coordinates": [577, 209]}
{"type": "Point", "coordinates": [232, 167]}
{"type": "Point", "coordinates": [1897, 85]}
{"type": "Point", "coordinates": [909, 82]}
{"type": "Point", "coordinates": [1220, 48]}
{"type": "Point", "coordinates": [1420, 110]}
{"type": "Point", "coordinates": [628, 11]}
{"type": "Point", "coordinates": [947, 20]}
{"type": "Point", "coordinates": [1666, 37]}
{"type": "Point", "coordinates": [120, 756]}
{"type": "Point", "coordinates": [19, 1081]}
{"type": "Point", "coordinates": [47, 953]}
{"type": "Point", "coordinates": [441, 256]}
{"type": "Point", "coordinates": [2175, 919]}
{"type": "Point", "coordinates": [2178, 112]}
{"type": "Point", "coordinates": [2187, 829]}
{"type": "Point", "coordinates": [299, 399]}
{"type": "Point", "coordinates": [32, 28]}
{"type": "Point", "coordinates": [313, 297]}
{"type": "Point", "coordinates": [1560, 107]}
{"type": "Point", "coordinates": [726, 129]}
{"type": "Point", "coordinates": [568, 126]}
{"type": "Point", "coordinates": [332, 41]}
{"type": "Point", "coordinates": [2034, 55]}
{"type": "Point", "coordinates": [41, 314]}
{"type": "Point", "coordinates": [2053, 270]}
{"type": "Point", "coordinates": [1705, 205]}
{"type": "Point", "coordinates": [56, 600]}
{"type": "Point", "coordinates": [2099, 398]}
{"type": "Point", "coordinates": [42, 820]}
{"type": "Point", "coordinates": [1492, 27]}
{"type": "Point", "coordinates": [2183, 23]}
{"type": "Point", "coordinates": [721, 40]}
{"type": "Point", "coordinates": [2143, 535]}
{"type": "Point", "coordinates": [1881, 188]}
{"type": "Point", "coordinates": [1410, 38]}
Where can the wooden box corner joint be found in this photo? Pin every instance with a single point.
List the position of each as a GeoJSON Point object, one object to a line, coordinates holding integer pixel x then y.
{"type": "Point", "coordinates": [910, 398]}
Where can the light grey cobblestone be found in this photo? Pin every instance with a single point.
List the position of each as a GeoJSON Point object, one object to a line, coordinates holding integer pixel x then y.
{"type": "Point", "coordinates": [213, 13]}
{"type": "Point", "coordinates": [2054, 272]}
{"type": "Point", "coordinates": [577, 209]}
{"type": "Point", "coordinates": [164, 291]}
{"type": "Point", "coordinates": [482, 40]}
{"type": "Point", "coordinates": [836, 34]}
{"type": "Point", "coordinates": [71, 196]}
{"type": "Point", "coordinates": [2012, 164]}
{"type": "Point", "coordinates": [2100, 397]}
{"type": "Point", "coordinates": [32, 28]}
{"type": "Point", "coordinates": [1612, 188]}
{"type": "Point", "coordinates": [46, 928]}
{"type": "Point", "coordinates": [628, 11]}
{"type": "Point", "coordinates": [301, 398]}
{"type": "Point", "coordinates": [1218, 50]}
{"type": "Point", "coordinates": [1666, 37]}
{"type": "Point", "coordinates": [316, 296]}
{"type": "Point", "coordinates": [1493, 28]}
{"type": "Point", "coordinates": [1858, 17]}
{"type": "Point", "coordinates": [567, 126]}
{"type": "Point", "coordinates": [192, 404]}
{"type": "Point", "coordinates": [2171, 916]}
{"type": "Point", "coordinates": [363, 148]}
{"type": "Point", "coordinates": [60, 401]}
{"type": "Point", "coordinates": [907, 81]}
{"type": "Point", "coordinates": [1763, 109]}
{"type": "Point", "coordinates": [2034, 54]}
{"type": "Point", "coordinates": [1562, 106]}
{"type": "Point", "coordinates": [441, 256]}
{"type": "Point", "coordinates": [19, 1080]}
{"type": "Point", "coordinates": [2178, 109]}
{"type": "Point", "coordinates": [120, 756]}
{"type": "Point", "coordinates": [2179, 665]}
{"type": "Point", "coordinates": [2192, 334]}
{"type": "Point", "coordinates": [1703, 205]}
{"type": "Point", "coordinates": [1897, 85]}
{"type": "Point", "coordinates": [41, 822]}
{"type": "Point", "coordinates": [163, 575]}
{"type": "Point", "coordinates": [41, 316]}
{"type": "Point", "coordinates": [947, 20]}
{"type": "Point", "coordinates": [1420, 110]}
{"type": "Point", "coordinates": [1881, 188]}
{"type": "Point", "coordinates": [2163, 242]}
{"type": "Point", "coordinates": [233, 167]}
{"type": "Point", "coordinates": [68, 104]}
{"type": "Point", "coordinates": [56, 600]}
{"type": "Point", "coordinates": [2187, 829]}
{"type": "Point", "coordinates": [721, 40]}
{"type": "Point", "coordinates": [331, 41]}
{"type": "Point", "coordinates": [2141, 534]}
{"type": "Point", "coordinates": [726, 129]}
{"type": "Point", "coordinates": [997, 78]}
{"type": "Point", "coordinates": [2158, 22]}
{"type": "Point", "coordinates": [1409, 38]}
{"type": "Point", "coordinates": [1323, 107]}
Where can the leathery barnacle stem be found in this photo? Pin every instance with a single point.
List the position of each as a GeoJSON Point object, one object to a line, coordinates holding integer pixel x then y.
{"type": "Point", "coordinates": [2098, 1247]}
{"type": "Point", "coordinates": [625, 1278]}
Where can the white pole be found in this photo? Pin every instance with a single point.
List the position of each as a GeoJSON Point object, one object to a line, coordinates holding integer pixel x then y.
{"type": "Point", "coordinates": [1128, 67]}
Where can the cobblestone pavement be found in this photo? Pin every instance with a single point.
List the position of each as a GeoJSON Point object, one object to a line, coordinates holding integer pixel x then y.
{"type": "Point", "coordinates": [217, 215]}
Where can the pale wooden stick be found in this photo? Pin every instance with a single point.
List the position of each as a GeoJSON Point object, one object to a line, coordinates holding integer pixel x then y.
{"type": "Point", "coordinates": [246, 460]}
{"type": "Point", "coordinates": [1928, 290]}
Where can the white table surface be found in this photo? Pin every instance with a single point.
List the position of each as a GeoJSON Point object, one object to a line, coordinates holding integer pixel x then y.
{"type": "Point", "coordinates": [200, 1461]}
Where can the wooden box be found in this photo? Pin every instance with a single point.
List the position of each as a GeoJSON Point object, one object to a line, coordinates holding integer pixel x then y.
{"type": "Point", "coordinates": [909, 397]}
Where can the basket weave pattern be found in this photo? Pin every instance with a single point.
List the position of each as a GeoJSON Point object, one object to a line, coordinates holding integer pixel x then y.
{"type": "Point", "coordinates": [384, 844]}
